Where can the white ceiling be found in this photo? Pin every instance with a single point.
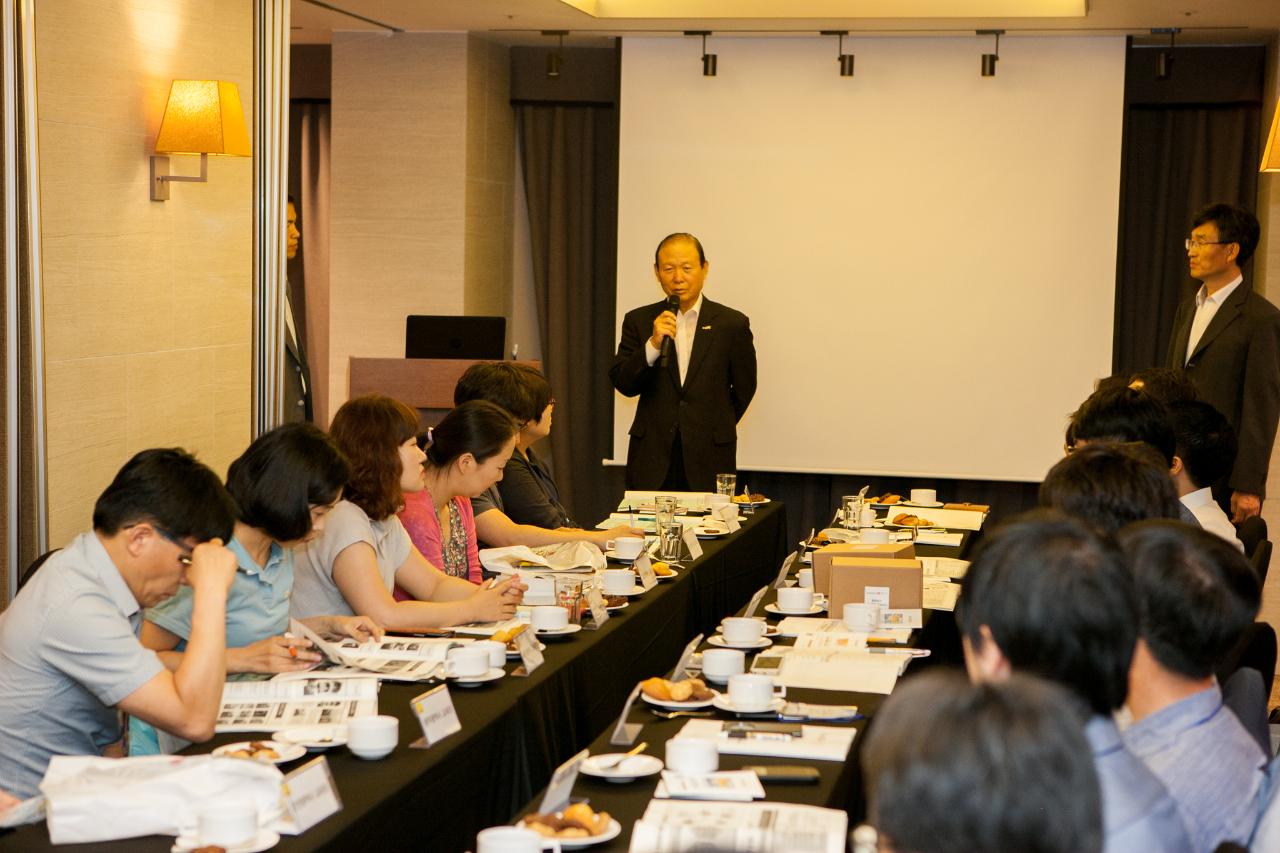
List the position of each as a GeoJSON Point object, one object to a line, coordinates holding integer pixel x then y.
{"type": "Point", "coordinates": [519, 21]}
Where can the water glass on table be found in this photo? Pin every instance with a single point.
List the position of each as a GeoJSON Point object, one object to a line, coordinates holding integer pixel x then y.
{"type": "Point", "coordinates": [850, 510]}
{"type": "Point", "coordinates": [726, 483]}
{"type": "Point", "coordinates": [670, 540]}
{"type": "Point", "coordinates": [569, 596]}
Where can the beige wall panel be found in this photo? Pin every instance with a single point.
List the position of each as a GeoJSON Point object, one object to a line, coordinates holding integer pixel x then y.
{"type": "Point", "coordinates": [147, 304]}
{"type": "Point", "coordinates": [86, 441]}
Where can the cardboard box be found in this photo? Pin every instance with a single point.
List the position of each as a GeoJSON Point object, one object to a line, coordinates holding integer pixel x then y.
{"type": "Point", "coordinates": [852, 576]}
{"type": "Point", "coordinates": [823, 556]}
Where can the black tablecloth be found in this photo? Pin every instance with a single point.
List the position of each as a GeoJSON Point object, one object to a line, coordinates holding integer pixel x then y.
{"type": "Point", "coordinates": [515, 731]}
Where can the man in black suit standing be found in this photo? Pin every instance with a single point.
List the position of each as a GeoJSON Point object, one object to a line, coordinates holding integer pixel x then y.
{"type": "Point", "coordinates": [1228, 339]}
{"type": "Point", "coordinates": [685, 429]}
{"type": "Point", "coordinates": [297, 375]}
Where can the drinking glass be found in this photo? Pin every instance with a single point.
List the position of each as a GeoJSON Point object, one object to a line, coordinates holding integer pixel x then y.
{"type": "Point", "coordinates": [569, 596]}
{"type": "Point", "coordinates": [670, 540]}
{"type": "Point", "coordinates": [726, 483]}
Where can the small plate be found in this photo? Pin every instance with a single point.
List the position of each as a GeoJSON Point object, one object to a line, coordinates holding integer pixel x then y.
{"type": "Point", "coordinates": [631, 593]}
{"type": "Point", "coordinates": [930, 505]}
{"type": "Point", "coordinates": [629, 770]}
{"type": "Point", "coordinates": [772, 607]}
{"type": "Point", "coordinates": [750, 503]}
{"type": "Point", "coordinates": [558, 632]}
{"type": "Point", "coordinates": [664, 578]}
{"type": "Point", "coordinates": [315, 738]}
{"type": "Point", "coordinates": [494, 673]}
{"type": "Point", "coordinates": [613, 555]}
{"type": "Point", "coordinates": [719, 640]}
{"type": "Point", "coordinates": [264, 840]}
{"type": "Point", "coordinates": [612, 831]}
{"type": "Point", "coordinates": [623, 606]}
{"type": "Point", "coordinates": [723, 702]}
{"type": "Point", "coordinates": [710, 532]}
{"type": "Point", "coordinates": [687, 705]}
{"type": "Point", "coordinates": [287, 751]}
{"type": "Point", "coordinates": [515, 653]}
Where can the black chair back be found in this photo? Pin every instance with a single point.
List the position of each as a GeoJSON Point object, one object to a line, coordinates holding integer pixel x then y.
{"type": "Point", "coordinates": [31, 569]}
{"type": "Point", "coordinates": [1251, 532]}
{"type": "Point", "coordinates": [1244, 694]}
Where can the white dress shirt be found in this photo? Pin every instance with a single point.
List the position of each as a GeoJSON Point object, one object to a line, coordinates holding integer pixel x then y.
{"type": "Point", "coordinates": [1206, 307]}
{"type": "Point", "coordinates": [686, 328]}
{"type": "Point", "coordinates": [1211, 516]}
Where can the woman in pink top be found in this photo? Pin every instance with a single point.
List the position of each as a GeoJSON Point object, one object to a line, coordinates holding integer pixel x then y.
{"type": "Point", "coordinates": [465, 455]}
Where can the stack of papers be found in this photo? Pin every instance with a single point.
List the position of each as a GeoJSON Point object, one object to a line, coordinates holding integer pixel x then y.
{"type": "Point", "coordinates": [737, 785]}
{"type": "Point", "coordinates": [944, 567]}
{"type": "Point", "coordinates": [394, 658]}
{"type": "Point", "coordinates": [849, 669]}
{"type": "Point", "coordinates": [940, 594]}
{"type": "Point", "coordinates": [816, 743]}
{"type": "Point", "coordinates": [675, 826]}
{"type": "Point", "coordinates": [798, 626]}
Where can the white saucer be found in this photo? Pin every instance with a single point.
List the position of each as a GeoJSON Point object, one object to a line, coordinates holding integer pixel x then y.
{"type": "Point", "coordinates": [663, 578]}
{"type": "Point", "coordinates": [710, 532]}
{"type": "Point", "coordinates": [634, 591]}
{"type": "Point", "coordinates": [316, 737]}
{"type": "Point", "coordinates": [723, 702]}
{"type": "Point", "coordinates": [264, 840]}
{"type": "Point", "coordinates": [623, 606]}
{"type": "Point", "coordinates": [719, 640]}
{"type": "Point", "coordinates": [930, 505]}
{"type": "Point", "coordinates": [815, 608]}
{"type": "Point", "coordinates": [288, 751]}
{"type": "Point", "coordinates": [687, 705]}
{"type": "Point", "coordinates": [558, 632]}
{"type": "Point", "coordinates": [494, 673]}
{"type": "Point", "coordinates": [628, 770]}
{"type": "Point", "coordinates": [515, 653]}
{"type": "Point", "coordinates": [613, 555]}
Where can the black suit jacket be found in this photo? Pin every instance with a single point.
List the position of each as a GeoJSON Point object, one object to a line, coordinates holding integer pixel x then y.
{"type": "Point", "coordinates": [718, 387]}
{"type": "Point", "coordinates": [1236, 367]}
{"type": "Point", "coordinates": [297, 375]}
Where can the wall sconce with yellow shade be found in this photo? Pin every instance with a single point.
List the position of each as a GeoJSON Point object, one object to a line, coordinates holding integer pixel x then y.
{"type": "Point", "coordinates": [202, 117]}
{"type": "Point", "coordinates": [1271, 156]}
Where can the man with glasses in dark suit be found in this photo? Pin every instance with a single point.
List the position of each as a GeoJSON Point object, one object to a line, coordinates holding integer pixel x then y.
{"type": "Point", "coordinates": [1227, 338]}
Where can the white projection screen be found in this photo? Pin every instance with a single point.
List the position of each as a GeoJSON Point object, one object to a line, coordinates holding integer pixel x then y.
{"type": "Point", "coordinates": [928, 257]}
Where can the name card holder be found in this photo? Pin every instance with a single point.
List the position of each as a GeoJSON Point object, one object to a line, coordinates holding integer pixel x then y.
{"type": "Point", "coordinates": [691, 542]}
{"type": "Point", "coordinates": [685, 656]}
{"type": "Point", "coordinates": [437, 716]}
{"type": "Point", "coordinates": [310, 795]}
{"type": "Point", "coordinates": [624, 733]}
{"type": "Point", "coordinates": [530, 655]}
{"type": "Point", "coordinates": [644, 570]}
{"type": "Point", "coordinates": [599, 610]}
{"type": "Point", "coordinates": [781, 580]}
{"type": "Point", "coordinates": [561, 785]}
{"type": "Point", "coordinates": [729, 515]}
{"type": "Point", "coordinates": [754, 604]}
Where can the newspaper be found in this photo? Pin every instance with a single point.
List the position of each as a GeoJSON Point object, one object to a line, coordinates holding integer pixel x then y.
{"type": "Point", "coordinates": [944, 567]}
{"type": "Point", "coordinates": [816, 743]}
{"type": "Point", "coordinates": [842, 669]}
{"type": "Point", "coordinates": [684, 826]}
{"type": "Point", "coordinates": [392, 658]}
{"type": "Point", "coordinates": [269, 706]}
{"type": "Point", "coordinates": [565, 557]}
{"type": "Point", "coordinates": [940, 594]}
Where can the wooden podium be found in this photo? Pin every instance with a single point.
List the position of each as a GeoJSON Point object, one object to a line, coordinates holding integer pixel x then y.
{"type": "Point", "coordinates": [423, 383]}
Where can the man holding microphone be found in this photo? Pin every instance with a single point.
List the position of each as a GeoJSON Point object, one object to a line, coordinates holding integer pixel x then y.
{"type": "Point", "coordinates": [692, 362]}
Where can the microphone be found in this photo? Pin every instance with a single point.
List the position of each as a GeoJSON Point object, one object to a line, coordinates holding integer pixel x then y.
{"type": "Point", "coordinates": [664, 353]}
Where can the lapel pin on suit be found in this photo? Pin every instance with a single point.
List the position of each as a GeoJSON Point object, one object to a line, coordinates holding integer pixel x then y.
{"type": "Point", "coordinates": [706, 328]}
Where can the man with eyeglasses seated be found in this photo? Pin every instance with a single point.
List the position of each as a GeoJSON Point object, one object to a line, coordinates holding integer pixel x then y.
{"type": "Point", "coordinates": [691, 398]}
{"type": "Point", "coordinates": [1228, 339]}
{"type": "Point", "coordinates": [69, 650]}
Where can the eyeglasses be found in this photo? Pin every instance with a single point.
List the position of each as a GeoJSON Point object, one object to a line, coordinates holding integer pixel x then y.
{"type": "Point", "coordinates": [185, 556]}
{"type": "Point", "coordinates": [1198, 243]}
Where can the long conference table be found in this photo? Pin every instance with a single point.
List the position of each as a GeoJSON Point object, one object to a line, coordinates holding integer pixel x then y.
{"type": "Point", "coordinates": [515, 731]}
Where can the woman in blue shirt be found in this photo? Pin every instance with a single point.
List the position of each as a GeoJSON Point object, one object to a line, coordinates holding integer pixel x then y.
{"type": "Point", "coordinates": [284, 484]}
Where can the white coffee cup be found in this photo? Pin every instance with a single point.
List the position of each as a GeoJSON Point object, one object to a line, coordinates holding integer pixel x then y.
{"type": "Point", "coordinates": [468, 661]}
{"type": "Point", "coordinates": [719, 664]}
{"type": "Point", "coordinates": [618, 581]}
{"type": "Point", "coordinates": [873, 536]}
{"type": "Point", "coordinates": [804, 579]}
{"type": "Point", "coordinates": [512, 839]}
{"type": "Point", "coordinates": [227, 823]}
{"type": "Point", "coordinates": [728, 511]}
{"type": "Point", "coordinates": [373, 737]}
{"type": "Point", "coordinates": [741, 631]}
{"type": "Point", "coordinates": [867, 518]}
{"type": "Point", "coordinates": [861, 617]}
{"type": "Point", "coordinates": [924, 496]}
{"type": "Point", "coordinates": [692, 756]}
{"type": "Point", "coordinates": [751, 692]}
{"type": "Point", "coordinates": [626, 547]}
{"type": "Point", "coordinates": [715, 502]}
{"type": "Point", "coordinates": [540, 589]}
{"type": "Point", "coordinates": [550, 617]}
{"type": "Point", "coordinates": [497, 651]}
{"type": "Point", "coordinates": [795, 599]}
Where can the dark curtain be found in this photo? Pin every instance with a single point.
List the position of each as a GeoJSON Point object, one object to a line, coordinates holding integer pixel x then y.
{"type": "Point", "coordinates": [1189, 141]}
{"type": "Point", "coordinates": [570, 158]}
{"type": "Point", "coordinates": [308, 273]}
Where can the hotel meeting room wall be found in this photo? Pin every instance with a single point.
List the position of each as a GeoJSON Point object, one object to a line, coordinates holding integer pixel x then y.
{"type": "Point", "coordinates": [147, 305]}
{"type": "Point", "coordinates": [927, 257]}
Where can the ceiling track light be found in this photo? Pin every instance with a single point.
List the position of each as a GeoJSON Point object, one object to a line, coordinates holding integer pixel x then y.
{"type": "Point", "coordinates": [1164, 59]}
{"type": "Point", "coordinates": [708, 59]}
{"type": "Point", "coordinates": [845, 59]}
{"type": "Point", "coordinates": [555, 60]}
{"type": "Point", "coordinates": [989, 60]}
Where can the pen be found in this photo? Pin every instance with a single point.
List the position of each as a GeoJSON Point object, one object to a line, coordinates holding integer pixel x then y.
{"type": "Point", "coordinates": [913, 653]}
{"type": "Point", "coordinates": [293, 652]}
